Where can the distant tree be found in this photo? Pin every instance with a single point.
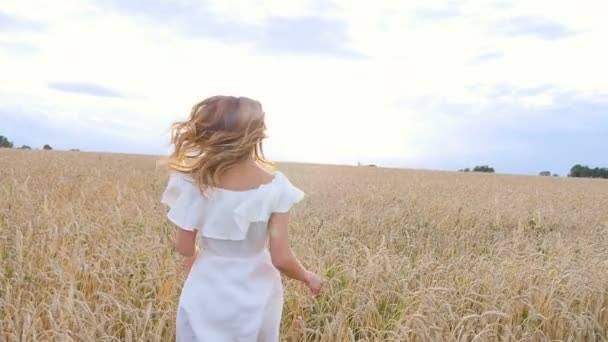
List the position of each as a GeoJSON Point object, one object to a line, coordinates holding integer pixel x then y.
{"type": "Point", "coordinates": [371, 165]}
{"type": "Point", "coordinates": [465, 170]}
{"type": "Point", "coordinates": [47, 147]}
{"type": "Point", "coordinates": [25, 147]}
{"type": "Point", "coordinates": [555, 175]}
{"type": "Point", "coordinates": [75, 150]}
{"type": "Point", "coordinates": [577, 171]}
{"type": "Point", "coordinates": [545, 174]}
{"type": "Point", "coordinates": [600, 172]}
{"type": "Point", "coordinates": [4, 142]}
{"type": "Point", "coordinates": [483, 168]}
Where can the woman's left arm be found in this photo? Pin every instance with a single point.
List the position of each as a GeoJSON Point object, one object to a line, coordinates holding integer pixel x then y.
{"type": "Point", "coordinates": [185, 244]}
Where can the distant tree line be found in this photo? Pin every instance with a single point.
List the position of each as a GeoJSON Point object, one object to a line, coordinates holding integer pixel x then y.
{"type": "Point", "coordinates": [580, 171]}
{"type": "Point", "coordinates": [482, 168]}
{"type": "Point", "coordinates": [577, 171]}
{"type": "Point", "coordinates": [5, 143]}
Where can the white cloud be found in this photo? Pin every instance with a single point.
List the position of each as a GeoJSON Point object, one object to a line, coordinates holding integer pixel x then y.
{"type": "Point", "coordinates": [320, 108]}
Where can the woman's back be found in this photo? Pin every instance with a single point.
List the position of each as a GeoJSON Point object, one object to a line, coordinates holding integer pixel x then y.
{"type": "Point", "coordinates": [234, 274]}
{"type": "Point", "coordinates": [224, 202]}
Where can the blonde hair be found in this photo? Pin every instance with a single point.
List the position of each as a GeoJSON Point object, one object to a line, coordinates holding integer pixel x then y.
{"type": "Point", "coordinates": [221, 132]}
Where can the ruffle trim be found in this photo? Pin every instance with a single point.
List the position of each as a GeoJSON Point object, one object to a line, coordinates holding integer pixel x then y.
{"type": "Point", "coordinates": [190, 210]}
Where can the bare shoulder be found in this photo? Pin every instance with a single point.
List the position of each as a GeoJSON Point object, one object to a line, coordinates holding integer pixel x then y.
{"type": "Point", "coordinates": [246, 178]}
{"type": "Point", "coordinates": [266, 175]}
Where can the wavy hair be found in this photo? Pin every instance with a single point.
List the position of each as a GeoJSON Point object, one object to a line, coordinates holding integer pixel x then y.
{"type": "Point", "coordinates": [220, 132]}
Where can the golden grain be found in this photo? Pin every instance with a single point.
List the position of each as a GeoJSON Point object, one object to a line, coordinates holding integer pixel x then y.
{"type": "Point", "coordinates": [85, 253]}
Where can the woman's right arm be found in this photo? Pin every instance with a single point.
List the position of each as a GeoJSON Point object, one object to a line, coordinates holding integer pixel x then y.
{"type": "Point", "coordinates": [282, 255]}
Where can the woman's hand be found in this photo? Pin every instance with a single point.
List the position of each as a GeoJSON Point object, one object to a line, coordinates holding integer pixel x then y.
{"type": "Point", "coordinates": [314, 283]}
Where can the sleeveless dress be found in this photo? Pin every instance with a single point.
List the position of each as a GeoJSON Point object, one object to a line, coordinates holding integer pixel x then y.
{"type": "Point", "coordinates": [233, 292]}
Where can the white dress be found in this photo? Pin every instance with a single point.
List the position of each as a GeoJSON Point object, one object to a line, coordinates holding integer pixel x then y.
{"type": "Point", "coordinates": [233, 292]}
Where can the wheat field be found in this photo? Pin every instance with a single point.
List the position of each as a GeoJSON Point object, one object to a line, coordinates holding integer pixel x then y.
{"type": "Point", "coordinates": [86, 253]}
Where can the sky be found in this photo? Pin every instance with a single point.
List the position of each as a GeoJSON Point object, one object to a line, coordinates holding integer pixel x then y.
{"type": "Point", "coordinates": [519, 85]}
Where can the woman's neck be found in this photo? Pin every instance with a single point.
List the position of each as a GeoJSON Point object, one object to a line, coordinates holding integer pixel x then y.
{"type": "Point", "coordinates": [249, 163]}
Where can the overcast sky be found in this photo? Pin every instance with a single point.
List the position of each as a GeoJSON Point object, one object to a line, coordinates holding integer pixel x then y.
{"type": "Point", "coordinates": [520, 85]}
